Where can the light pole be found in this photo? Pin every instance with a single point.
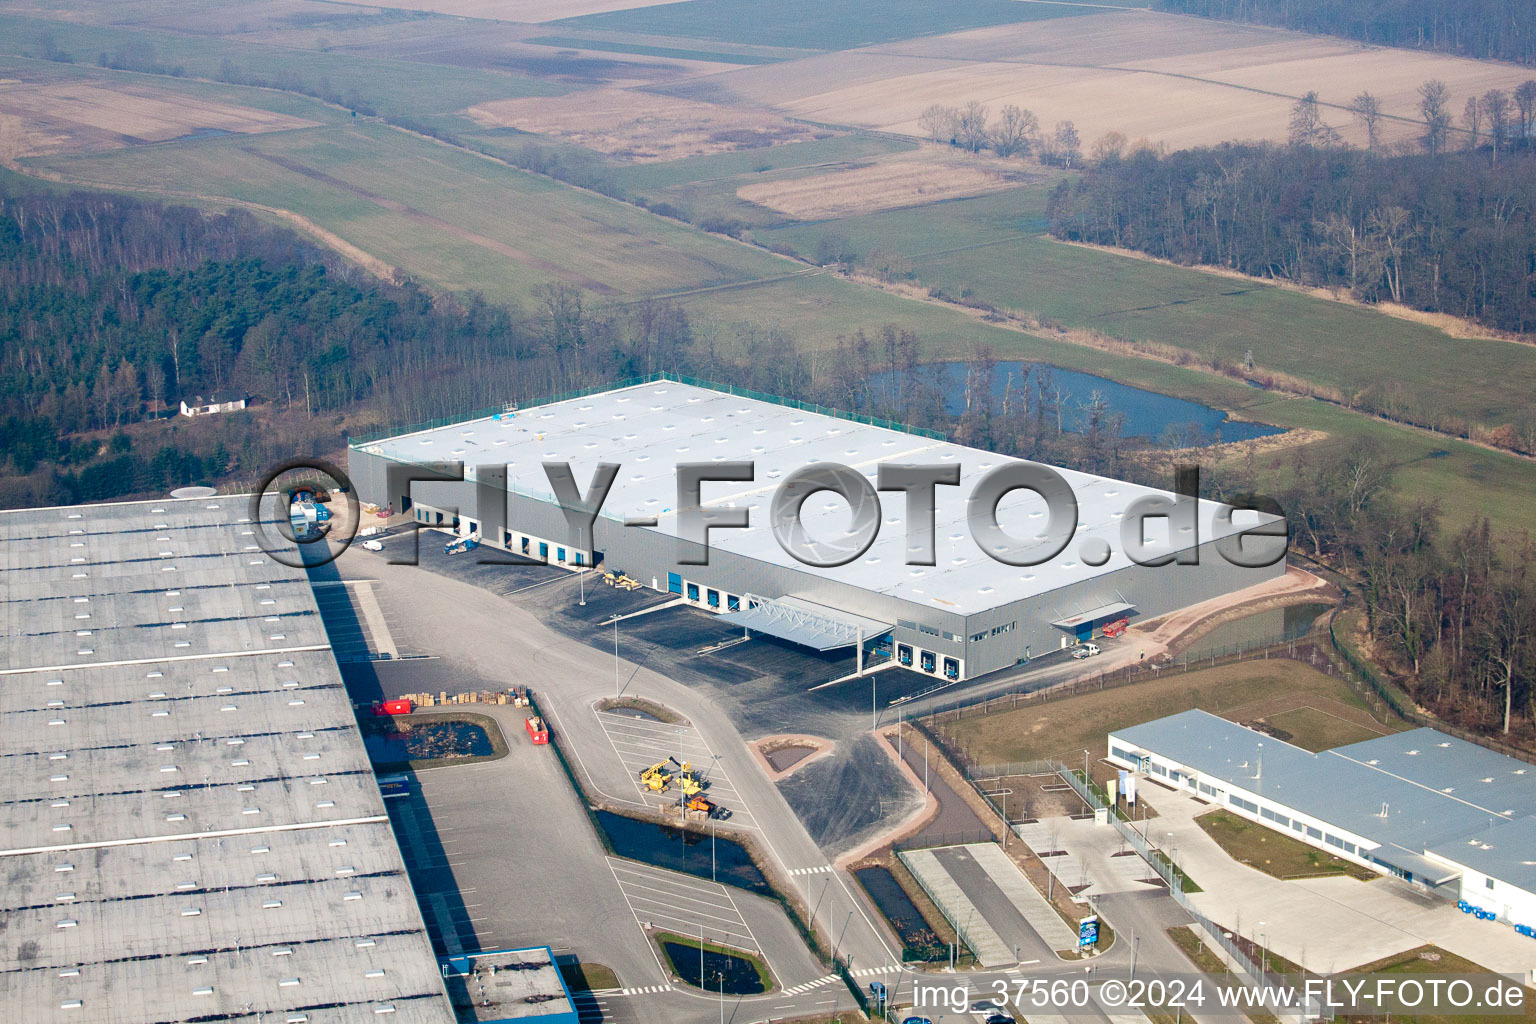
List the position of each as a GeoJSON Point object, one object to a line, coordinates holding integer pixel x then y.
{"type": "Point", "coordinates": [581, 579]}
{"type": "Point", "coordinates": [617, 689]}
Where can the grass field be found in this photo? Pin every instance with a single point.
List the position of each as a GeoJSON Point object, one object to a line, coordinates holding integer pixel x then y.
{"type": "Point", "coordinates": [1436, 961]}
{"type": "Point", "coordinates": [423, 207]}
{"type": "Point", "coordinates": [818, 24]}
{"type": "Point", "coordinates": [1062, 729]}
{"type": "Point", "coordinates": [393, 87]}
{"type": "Point", "coordinates": [588, 977]}
{"type": "Point", "coordinates": [1273, 852]}
{"type": "Point", "coordinates": [1329, 343]}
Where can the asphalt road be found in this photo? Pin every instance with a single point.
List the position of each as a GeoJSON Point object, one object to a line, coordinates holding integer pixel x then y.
{"type": "Point", "coordinates": [510, 836]}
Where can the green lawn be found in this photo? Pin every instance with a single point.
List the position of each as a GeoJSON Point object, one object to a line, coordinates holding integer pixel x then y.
{"type": "Point", "coordinates": [1331, 344]}
{"type": "Point", "coordinates": [456, 220]}
{"type": "Point", "coordinates": [1272, 852]}
{"type": "Point", "coordinates": [1063, 728]}
{"type": "Point", "coordinates": [1440, 962]}
{"type": "Point", "coordinates": [588, 977]}
{"type": "Point", "coordinates": [819, 24]}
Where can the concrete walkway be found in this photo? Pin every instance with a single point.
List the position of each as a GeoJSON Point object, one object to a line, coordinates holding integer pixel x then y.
{"type": "Point", "coordinates": [964, 915]}
{"type": "Point", "coordinates": [1093, 857]}
{"type": "Point", "coordinates": [1325, 924]}
{"type": "Point", "coordinates": [1025, 898]}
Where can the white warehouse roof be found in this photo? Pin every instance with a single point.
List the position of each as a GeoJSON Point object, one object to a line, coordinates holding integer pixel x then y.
{"type": "Point", "coordinates": [650, 428]}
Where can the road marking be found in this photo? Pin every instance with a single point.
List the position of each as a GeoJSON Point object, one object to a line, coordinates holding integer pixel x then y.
{"type": "Point", "coordinates": [807, 986]}
{"type": "Point", "coordinates": [639, 744]}
{"type": "Point", "coordinates": [811, 871]}
{"type": "Point", "coordinates": [645, 990]}
{"type": "Point", "coordinates": [688, 919]}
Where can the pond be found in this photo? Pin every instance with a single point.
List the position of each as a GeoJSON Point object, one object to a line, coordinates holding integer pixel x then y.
{"type": "Point", "coordinates": [693, 853]}
{"type": "Point", "coordinates": [714, 971]}
{"type": "Point", "coordinates": [425, 741]}
{"type": "Point", "coordinates": [1171, 422]}
{"type": "Point", "coordinates": [917, 939]}
{"type": "Point", "coordinates": [1270, 626]}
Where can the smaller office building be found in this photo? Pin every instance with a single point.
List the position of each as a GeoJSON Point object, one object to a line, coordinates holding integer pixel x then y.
{"type": "Point", "coordinates": [1444, 814]}
{"type": "Point", "coordinates": [508, 986]}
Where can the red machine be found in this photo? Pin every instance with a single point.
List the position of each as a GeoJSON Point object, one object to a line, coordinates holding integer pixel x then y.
{"type": "Point", "coordinates": [538, 732]}
{"type": "Point", "coordinates": [1114, 629]}
{"type": "Point", "coordinates": [392, 707]}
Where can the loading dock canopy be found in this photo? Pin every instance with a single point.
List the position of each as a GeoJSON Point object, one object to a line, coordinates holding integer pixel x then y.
{"type": "Point", "coordinates": [804, 622]}
{"type": "Point", "coordinates": [1109, 611]}
{"type": "Point", "coordinates": [1420, 867]}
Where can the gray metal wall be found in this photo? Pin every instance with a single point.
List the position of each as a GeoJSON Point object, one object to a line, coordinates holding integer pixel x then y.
{"type": "Point", "coordinates": [647, 554]}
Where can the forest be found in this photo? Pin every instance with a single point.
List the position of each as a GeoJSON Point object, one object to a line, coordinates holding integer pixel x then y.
{"type": "Point", "coordinates": [1489, 29]}
{"type": "Point", "coordinates": [1453, 233]}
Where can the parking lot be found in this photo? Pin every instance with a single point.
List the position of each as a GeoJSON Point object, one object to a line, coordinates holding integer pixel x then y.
{"type": "Point", "coordinates": [638, 744]}
{"type": "Point", "coordinates": [354, 623]}
{"type": "Point", "coordinates": [683, 904]}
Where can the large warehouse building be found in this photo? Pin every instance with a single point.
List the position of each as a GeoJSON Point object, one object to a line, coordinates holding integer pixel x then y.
{"type": "Point", "coordinates": [1437, 811]}
{"type": "Point", "coordinates": [191, 828]}
{"type": "Point", "coordinates": [962, 617]}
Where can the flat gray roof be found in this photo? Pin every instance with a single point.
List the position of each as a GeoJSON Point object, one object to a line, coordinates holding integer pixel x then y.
{"type": "Point", "coordinates": [191, 827]}
{"type": "Point", "coordinates": [1389, 790]}
{"type": "Point", "coordinates": [1506, 852]}
{"type": "Point", "coordinates": [509, 984]}
{"type": "Point", "coordinates": [650, 428]}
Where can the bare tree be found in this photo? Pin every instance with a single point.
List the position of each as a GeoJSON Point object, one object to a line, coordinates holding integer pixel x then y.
{"type": "Point", "coordinates": [1069, 146]}
{"type": "Point", "coordinates": [1496, 110]}
{"type": "Point", "coordinates": [1109, 148]}
{"type": "Point", "coordinates": [1367, 111]}
{"type": "Point", "coordinates": [940, 123]}
{"type": "Point", "coordinates": [1510, 625]}
{"type": "Point", "coordinates": [1435, 108]}
{"type": "Point", "coordinates": [1307, 126]}
{"type": "Point", "coordinates": [1015, 131]}
{"type": "Point", "coordinates": [1390, 229]}
{"type": "Point", "coordinates": [1472, 121]}
{"type": "Point", "coordinates": [1525, 102]}
{"type": "Point", "coordinates": [973, 126]}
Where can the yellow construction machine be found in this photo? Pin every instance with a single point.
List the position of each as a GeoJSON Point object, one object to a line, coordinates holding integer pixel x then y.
{"type": "Point", "coordinates": [688, 779]}
{"type": "Point", "coordinates": [656, 778]}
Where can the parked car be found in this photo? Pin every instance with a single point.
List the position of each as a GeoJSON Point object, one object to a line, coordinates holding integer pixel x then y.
{"type": "Point", "coordinates": [917, 1020]}
{"type": "Point", "coordinates": [1085, 651]}
{"type": "Point", "coordinates": [373, 545]}
{"type": "Point", "coordinates": [1000, 1018]}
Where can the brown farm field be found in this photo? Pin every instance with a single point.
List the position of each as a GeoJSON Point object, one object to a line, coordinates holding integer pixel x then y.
{"type": "Point", "coordinates": [71, 117]}
{"type": "Point", "coordinates": [522, 10]}
{"type": "Point", "coordinates": [642, 127]}
{"type": "Point", "coordinates": [1169, 79]}
{"type": "Point", "coordinates": [932, 174]}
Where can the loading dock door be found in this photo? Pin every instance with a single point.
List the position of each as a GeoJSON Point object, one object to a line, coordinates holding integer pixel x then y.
{"type": "Point", "coordinates": [674, 583]}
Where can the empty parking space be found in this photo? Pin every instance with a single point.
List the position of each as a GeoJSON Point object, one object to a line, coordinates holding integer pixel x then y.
{"type": "Point", "coordinates": [354, 622]}
{"type": "Point", "coordinates": [638, 744]}
{"type": "Point", "coordinates": [683, 904]}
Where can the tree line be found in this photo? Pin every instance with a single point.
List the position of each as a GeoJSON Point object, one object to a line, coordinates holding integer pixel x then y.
{"type": "Point", "coordinates": [1014, 132]}
{"type": "Point", "coordinates": [1489, 29]}
{"type": "Point", "coordinates": [1454, 233]}
{"type": "Point", "coordinates": [1451, 615]}
{"type": "Point", "coordinates": [113, 310]}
